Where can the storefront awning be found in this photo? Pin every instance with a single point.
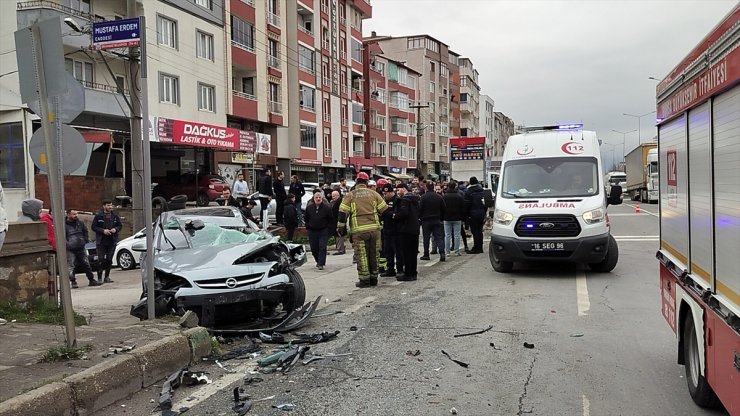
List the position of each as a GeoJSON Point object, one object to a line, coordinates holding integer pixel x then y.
{"type": "Point", "coordinates": [400, 175]}
{"type": "Point", "coordinates": [383, 176]}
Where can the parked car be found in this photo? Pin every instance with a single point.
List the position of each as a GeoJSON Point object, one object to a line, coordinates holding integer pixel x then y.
{"type": "Point", "coordinates": [219, 265]}
{"type": "Point", "coordinates": [124, 256]}
{"type": "Point", "coordinates": [208, 189]}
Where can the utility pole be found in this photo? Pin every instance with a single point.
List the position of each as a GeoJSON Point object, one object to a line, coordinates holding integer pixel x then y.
{"type": "Point", "coordinates": [419, 129]}
{"type": "Point", "coordinates": [137, 152]}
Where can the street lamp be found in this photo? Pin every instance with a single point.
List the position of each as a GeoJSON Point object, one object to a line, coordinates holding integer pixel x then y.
{"type": "Point", "coordinates": [624, 136]}
{"type": "Point", "coordinates": [639, 136]}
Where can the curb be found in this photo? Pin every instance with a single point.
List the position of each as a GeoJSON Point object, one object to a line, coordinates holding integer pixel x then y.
{"type": "Point", "coordinates": [105, 383]}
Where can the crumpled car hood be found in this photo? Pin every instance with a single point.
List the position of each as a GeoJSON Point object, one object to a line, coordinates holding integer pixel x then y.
{"type": "Point", "coordinates": [201, 258]}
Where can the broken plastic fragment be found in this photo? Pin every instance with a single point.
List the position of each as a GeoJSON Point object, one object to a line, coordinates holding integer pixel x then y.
{"type": "Point", "coordinates": [576, 335]}
{"type": "Point", "coordinates": [460, 363]}
{"type": "Point", "coordinates": [528, 345]}
{"type": "Point", "coordinates": [285, 406]}
{"type": "Point", "coordinates": [490, 327]}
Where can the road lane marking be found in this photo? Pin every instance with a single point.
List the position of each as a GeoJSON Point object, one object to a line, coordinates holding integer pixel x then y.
{"type": "Point", "coordinates": [586, 406]}
{"type": "Point", "coordinates": [582, 293]}
{"type": "Point", "coordinates": [637, 239]}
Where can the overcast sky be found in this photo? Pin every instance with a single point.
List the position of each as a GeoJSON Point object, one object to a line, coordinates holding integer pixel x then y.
{"type": "Point", "coordinates": [563, 61]}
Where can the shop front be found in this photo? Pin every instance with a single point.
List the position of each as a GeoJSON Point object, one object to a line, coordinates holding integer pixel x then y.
{"type": "Point", "coordinates": [307, 170]}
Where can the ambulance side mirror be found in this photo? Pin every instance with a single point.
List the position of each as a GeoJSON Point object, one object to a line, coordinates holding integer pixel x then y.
{"type": "Point", "coordinates": [615, 195]}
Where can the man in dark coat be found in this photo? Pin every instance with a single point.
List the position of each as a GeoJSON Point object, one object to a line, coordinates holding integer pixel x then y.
{"type": "Point", "coordinates": [431, 212]}
{"type": "Point", "coordinates": [318, 218]}
{"type": "Point", "coordinates": [391, 237]}
{"type": "Point", "coordinates": [264, 187]}
{"type": "Point", "coordinates": [476, 213]}
{"type": "Point", "coordinates": [454, 213]}
{"type": "Point", "coordinates": [336, 202]}
{"type": "Point", "coordinates": [407, 218]}
{"type": "Point", "coordinates": [106, 225]}
{"type": "Point", "coordinates": [296, 188]}
{"type": "Point", "coordinates": [280, 197]}
{"type": "Point", "coordinates": [290, 218]}
{"type": "Point", "coordinates": [77, 237]}
{"type": "Point", "coordinates": [227, 199]}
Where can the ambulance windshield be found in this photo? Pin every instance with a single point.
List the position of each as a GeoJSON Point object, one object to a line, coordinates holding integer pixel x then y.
{"type": "Point", "coordinates": [551, 177]}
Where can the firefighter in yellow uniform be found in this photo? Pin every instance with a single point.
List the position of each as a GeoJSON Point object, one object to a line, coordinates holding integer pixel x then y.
{"type": "Point", "coordinates": [363, 206]}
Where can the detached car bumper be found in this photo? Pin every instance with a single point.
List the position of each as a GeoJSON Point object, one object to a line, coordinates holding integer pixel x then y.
{"type": "Point", "coordinates": [582, 250]}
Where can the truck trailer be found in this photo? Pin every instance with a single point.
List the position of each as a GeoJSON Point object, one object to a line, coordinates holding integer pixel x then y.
{"type": "Point", "coordinates": [642, 173]}
{"type": "Point", "coordinates": [698, 105]}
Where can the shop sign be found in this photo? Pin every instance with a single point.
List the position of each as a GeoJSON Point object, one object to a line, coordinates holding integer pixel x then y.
{"type": "Point", "coordinates": [169, 130]}
{"type": "Point", "coordinates": [394, 169]}
{"type": "Point", "coordinates": [241, 157]}
{"type": "Point", "coordinates": [306, 162]}
{"type": "Point", "coordinates": [467, 148]}
{"type": "Point", "coordinates": [265, 145]}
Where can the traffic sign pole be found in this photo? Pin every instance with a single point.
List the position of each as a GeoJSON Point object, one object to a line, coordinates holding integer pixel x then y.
{"type": "Point", "coordinates": [55, 185]}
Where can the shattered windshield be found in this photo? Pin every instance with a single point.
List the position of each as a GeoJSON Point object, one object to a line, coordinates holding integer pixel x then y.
{"type": "Point", "coordinates": [551, 177]}
{"type": "Point", "coordinates": [210, 235]}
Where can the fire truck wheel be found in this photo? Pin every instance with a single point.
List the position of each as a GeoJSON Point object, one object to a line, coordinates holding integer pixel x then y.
{"type": "Point", "coordinates": [610, 261]}
{"type": "Point", "coordinates": [498, 265]}
{"type": "Point", "coordinates": [699, 389]}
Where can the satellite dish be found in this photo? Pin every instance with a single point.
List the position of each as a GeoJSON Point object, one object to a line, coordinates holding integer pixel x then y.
{"type": "Point", "coordinates": [73, 154]}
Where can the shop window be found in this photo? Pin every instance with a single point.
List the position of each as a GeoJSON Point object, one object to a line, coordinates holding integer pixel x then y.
{"type": "Point", "coordinates": [12, 158]}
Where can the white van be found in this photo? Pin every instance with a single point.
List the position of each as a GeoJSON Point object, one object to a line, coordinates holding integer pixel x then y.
{"type": "Point", "coordinates": [550, 204]}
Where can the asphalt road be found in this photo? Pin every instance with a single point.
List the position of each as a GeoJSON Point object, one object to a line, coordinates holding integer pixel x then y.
{"type": "Point", "coordinates": [601, 346]}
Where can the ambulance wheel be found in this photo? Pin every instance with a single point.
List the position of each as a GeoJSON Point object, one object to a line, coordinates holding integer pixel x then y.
{"type": "Point", "coordinates": [699, 389]}
{"type": "Point", "coordinates": [498, 265]}
{"type": "Point", "coordinates": [610, 261]}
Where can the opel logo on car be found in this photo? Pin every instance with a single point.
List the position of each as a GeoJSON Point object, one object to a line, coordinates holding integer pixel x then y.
{"type": "Point", "coordinates": [546, 225]}
{"type": "Point", "coordinates": [231, 283]}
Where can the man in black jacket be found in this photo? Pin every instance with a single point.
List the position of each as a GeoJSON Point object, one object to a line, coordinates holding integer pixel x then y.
{"type": "Point", "coordinates": [391, 237]}
{"type": "Point", "coordinates": [106, 225]}
{"type": "Point", "coordinates": [407, 218]}
{"type": "Point", "coordinates": [265, 192]}
{"type": "Point", "coordinates": [290, 218]}
{"type": "Point", "coordinates": [476, 213]}
{"type": "Point", "coordinates": [431, 212]}
{"type": "Point", "coordinates": [227, 199]}
{"type": "Point", "coordinates": [280, 197]}
{"type": "Point", "coordinates": [77, 237]}
{"type": "Point", "coordinates": [318, 219]}
{"type": "Point", "coordinates": [296, 188]}
{"type": "Point", "coordinates": [454, 214]}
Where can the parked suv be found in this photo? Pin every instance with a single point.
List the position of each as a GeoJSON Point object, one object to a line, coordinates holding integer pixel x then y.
{"type": "Point", "coordinates": [208, 189]}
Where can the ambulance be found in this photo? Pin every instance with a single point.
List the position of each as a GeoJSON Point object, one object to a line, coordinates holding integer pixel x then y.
{"type": "Point", "coordinates": [550, 202]}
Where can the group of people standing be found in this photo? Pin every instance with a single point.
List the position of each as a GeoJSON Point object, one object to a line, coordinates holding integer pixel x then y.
{"type": "Point", "coordinates": [106, 225]}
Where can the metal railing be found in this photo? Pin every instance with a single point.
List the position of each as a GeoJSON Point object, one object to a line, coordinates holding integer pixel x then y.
{"type": "Point", "coordinates": [345, 89]}
{"type": "Point", "coordinates": [304, 30]}
{"type": "Point", "coordinates": [327, 152]}
{"type": "Point", "coordinates": [344, 154]}
{"type": "Point", "coordinates": [242, 46]}
{"type": "Point", "coordinates": [326, 45]}
{"type": "Point", "coordinates": [326, 117]}
{"type": "Point", "coordinates": [356, 92]}
{"type": "Point", "coordinates": [276, 107]}
{"type": "Point", "coordinates": [47, 4]}
{"type": "Point", "coordinates": [244, 95]}
{"type": "Point", "coordinates": [104, 87]}
{"type": "Point", "coordinates": [249, 2]}
{"type": "Point", "coordinates": [307, 68]}
{"type": "Point", "coordinates": [327, 81]}
{"type": "Point", "coordinates": [308, 108]}
{"type": "Point", "coordinates": [273, 19]}
{"type": "Point", "coordinates": [273, 61]}
{"type": "Point", "coordinates": [358, 153]}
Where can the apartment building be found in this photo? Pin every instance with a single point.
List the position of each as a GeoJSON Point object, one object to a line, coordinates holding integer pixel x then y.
{"type": "Point", "coordinates": [389, 143]}
{"type": "Point", "coordinates": [453, 65]}
{"type": "Point", "coordinates": [503, 127]}
{"type": "Point", "coordinates": [469, 99]}
{"type": "Point", "coordinates": [430, 58]}
{"type": "Point", "coordinates": [486, 126]}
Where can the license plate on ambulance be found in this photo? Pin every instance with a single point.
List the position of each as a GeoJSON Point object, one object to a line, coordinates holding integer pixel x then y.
{"type": "Point", "coordinates": [547, 246]}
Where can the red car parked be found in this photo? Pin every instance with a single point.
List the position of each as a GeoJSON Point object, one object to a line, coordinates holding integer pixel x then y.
{"type": "Point", "coordinates": [209, 187]}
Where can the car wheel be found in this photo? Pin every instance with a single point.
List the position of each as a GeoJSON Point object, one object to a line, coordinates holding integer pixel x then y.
{"type": "Point", "coordinates": [699, 389]}
{"type": "Point", "coordinates": [126, 260]}
{"type": "Point", "coordinates": [498, 265]}
{"type": "Point", "coordinates": [297, 297]}
{"type": "Point", "coordinates": [202, 200]}
{"type": "Point", "coordinates": [611, 259]}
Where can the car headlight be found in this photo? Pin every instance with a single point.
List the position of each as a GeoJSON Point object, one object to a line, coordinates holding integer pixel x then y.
{"type": "Point", "coordinates": [594, 216]}
{"type": "Point", "coordinates": [502, 217]}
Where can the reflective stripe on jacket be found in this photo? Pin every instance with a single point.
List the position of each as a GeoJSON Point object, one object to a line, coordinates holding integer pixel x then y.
{"type": "Point", "coordinates": [363, 206]}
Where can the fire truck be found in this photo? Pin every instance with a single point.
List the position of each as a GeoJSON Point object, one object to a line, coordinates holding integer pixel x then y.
{"type": "Point", "coordinates": [698, 110]}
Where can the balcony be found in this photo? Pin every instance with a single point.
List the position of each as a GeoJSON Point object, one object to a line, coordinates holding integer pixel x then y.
{"type": "Point", "coordinates": [304, 30]}
{"type": "Point", "coordinates": [244, 105]}
{"type": "Point", "coordinates": [276, 107]}
{"type": "Point", "coordinates": [29, 12]}
{"type": "Point", "coordinates": [358, 153]}
{"type": "Point", "coordinates": [273, 62]}
{"type": "Point", "coordinates": [327, 152]}
{"type": "Point", "coordinates": [273, 19]}
{"type": "Point", "coordinates": [308, 108]}
{"type": "Point", "coordinates": [243, 55]}
{"type": "Point", "coordinates": [249, 2]}
{"type": "Point", "coordinates": [104, 99]}
{"type": "Point", "coordinates": [327, 81]}
{"type": "Point", "coordinates": [345, 89]}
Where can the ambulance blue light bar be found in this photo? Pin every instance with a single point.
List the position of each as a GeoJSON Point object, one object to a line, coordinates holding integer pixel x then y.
{"type": "Point", "coordinates": [572, 126]}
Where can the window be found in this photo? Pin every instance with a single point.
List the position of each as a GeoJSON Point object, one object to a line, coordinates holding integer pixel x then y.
{"type": "Point", "coordinates": [443, 129]}
{"type": "Point", "coordinates": [463, 81]}
{"type": "Point", "coordinates": [378, 148]}
{"type": "Point", "coordinates": [380, 122]}
{"type": "Point", "coordinates": [12, 158]}
{"type": "Point", "coordinates": [399, 100]}
{"type": "Point", "coordinates": [169, 89]}
{"type": "Point", "coordinates": [120, 84]}
{"type": "Point", "coordinates": [306, 59]}
{"type": "Point", "coordinates": [273, 51]}
{"type": "Point", "coordinates": [82, 71]}
{"type": "Point", "coordinates": [398, 151]}
{"type": "Point", "coordinates": [166, 31]}
{"type": "Point", "coordinates": [357, 113]}
{"type": "Point", "coordinates": [399, 125]}
{"type": "Point", "coordinates": [411, 82]}
{"type": "Point", "coordinates": [204, 45]}
{"type": "Point", "coordinates": [464, 97]}
{"type": "Point", "coordinates": [308, 136]}
{"type": "Point", "coordinates": [444, 72]}
{"type": "Point", "coordinates": [432, 66]}
{"type": "Point", "coordinates": [344, 114]}
{"type": "Point", "coordinates": [402, 75]}
{"type": "Point", "coordinates": [431, 88]}
{"type": "Point", "coordinates": [432, 148]}
{"type": "Point", "coordinates": [307, 98]}
{"type": "Point", "coordinates": [412, 130]}
{"type": "Point", "coordinates": [378, 95]}
{"type": "Point", "coordinates": [81, 5]}
{"type": "Point", "coordinates": [356, 50]}
{"type": "Point", "coordinates": [204, 3]}
{"type": "Point", "coordinates": [380, 67]}
{"type": "Point", "coordinates": [432, 107]}
{"type": "Point", "coordinates": [274, 93]}
{"type": "Point", "coordinates": [244, 84]}
{"type": "Point", "coordinates": [421, 43]}
{"type": "Point", "coordinates": [327, 142]}
{"type": "Point", "coordinates": [242, 33]}
{"type": "Point", "coordinates": [206, 97]}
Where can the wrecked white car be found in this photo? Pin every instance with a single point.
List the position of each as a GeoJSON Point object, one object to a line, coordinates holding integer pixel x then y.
{"type": "Point", "coordinates": [213, 262]}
